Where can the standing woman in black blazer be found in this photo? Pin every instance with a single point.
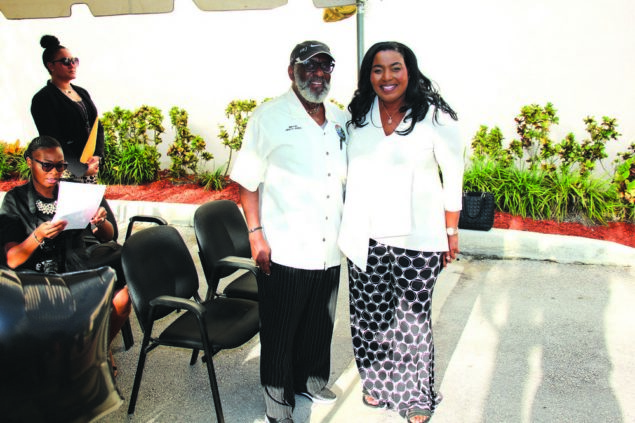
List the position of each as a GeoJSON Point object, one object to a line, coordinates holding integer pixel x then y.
{"type": "Point", "coordinates": [66, 112]}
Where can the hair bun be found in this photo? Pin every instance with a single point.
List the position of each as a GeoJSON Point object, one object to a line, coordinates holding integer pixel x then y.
{"type": "Point", "coordinates": [48, 41]}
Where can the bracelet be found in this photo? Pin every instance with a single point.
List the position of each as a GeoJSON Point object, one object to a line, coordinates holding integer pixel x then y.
{"type": "Point", "coordinates": [257, 228]}
{"type": "Point", "coordinates": [36, 238]}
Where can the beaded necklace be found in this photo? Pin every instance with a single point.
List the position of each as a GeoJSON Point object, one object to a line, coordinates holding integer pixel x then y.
{"type": "Point", "coordinates": [46, 208]}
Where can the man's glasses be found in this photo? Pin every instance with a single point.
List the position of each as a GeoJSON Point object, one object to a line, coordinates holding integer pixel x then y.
{"type": "Point", "coordinates": [312, 66]}
{"type": "Point", "coordinates": [47, 166]}
{"type": "Point", "coordinates": [67, 61]}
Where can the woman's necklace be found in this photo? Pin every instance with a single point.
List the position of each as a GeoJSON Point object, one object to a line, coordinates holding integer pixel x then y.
{"type": "Point", "coordinates": [388, 114]}
{"type": "Point", "coordinates": [68, 91]}
{"type": "Point", "coordinates": [46, 208]}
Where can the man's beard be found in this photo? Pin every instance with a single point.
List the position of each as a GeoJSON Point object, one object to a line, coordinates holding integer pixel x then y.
{"type": "Point", "coordinates": [304, 88]}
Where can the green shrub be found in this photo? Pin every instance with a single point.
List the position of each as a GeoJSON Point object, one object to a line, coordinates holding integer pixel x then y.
{"type": "Point", "coordinates": [213, 181]}
{"type": "Point", "coordinates": [488, 144]}
{"type": "Point", "coordinates": [534, 145]}
{"type": "Point", "coordinates": [187, 149]}
{"type": "Point", "coordinates": [137, 164]}
{"type": "Point", "coordinates": [12, 163]}
{"type": "Point", "coordinates": [536, 177]}
{"type": "Point", "coordinates": [544, 194]}
{"type": "Point", "coordinates": [130, 145]}
{"type": "Point", "coordinates": [593, 150]}
{"type": "Point", "coordinates": [238, 111]}
{"type": "Point", "coordinates": [536, 148]}
{"type": "Point", "coordinates": [624, 180]}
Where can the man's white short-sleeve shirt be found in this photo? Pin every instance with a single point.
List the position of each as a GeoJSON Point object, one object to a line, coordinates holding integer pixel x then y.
{"type": "Point", "coordinates": [299, 169]}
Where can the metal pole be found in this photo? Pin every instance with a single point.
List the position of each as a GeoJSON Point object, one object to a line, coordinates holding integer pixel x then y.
{"type": "Point", "coordinates": [360, 33]}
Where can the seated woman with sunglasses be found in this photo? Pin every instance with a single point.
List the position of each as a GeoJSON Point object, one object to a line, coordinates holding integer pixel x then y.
{"type": "Point", "coordinates": [66, 112]}
{"type": "Point", "coordinates": [31, 241]}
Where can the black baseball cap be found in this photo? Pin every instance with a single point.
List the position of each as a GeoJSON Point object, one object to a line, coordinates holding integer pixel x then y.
{"type": "Point", "coordinates": [308, 49]}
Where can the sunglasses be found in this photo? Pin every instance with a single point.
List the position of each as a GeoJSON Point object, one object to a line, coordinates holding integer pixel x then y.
{"type": "Point", "coordinates": [67, 61]}
{"type": "Point", "coordinates": [47, 167]}
{"type": "Point", "coordinates": [313, 65]}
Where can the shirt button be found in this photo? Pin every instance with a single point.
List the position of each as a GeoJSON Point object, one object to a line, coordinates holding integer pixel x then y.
{"type": "Point", "coordinates": [328, 196]}
{"type": "Point", "coordinates": [327, 153]}
{"type": "Point", "coordinates": [323, 239]}
{"type": "Point", "coordinates": [329, 174]}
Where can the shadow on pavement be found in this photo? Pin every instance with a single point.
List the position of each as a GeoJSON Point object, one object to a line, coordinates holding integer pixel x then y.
{"type": "Point", "coordinates": [529, 341]}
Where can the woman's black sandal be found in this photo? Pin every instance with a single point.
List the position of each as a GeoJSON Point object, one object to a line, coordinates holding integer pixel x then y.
{"type": "Point", "coordinates": [367, 403]}
{"type": "Point", "coordinates": [417, 412]}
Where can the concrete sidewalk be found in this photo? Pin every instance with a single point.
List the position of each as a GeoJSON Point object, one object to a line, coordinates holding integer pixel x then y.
{"type": "Point", "coordinates": [528, 328]}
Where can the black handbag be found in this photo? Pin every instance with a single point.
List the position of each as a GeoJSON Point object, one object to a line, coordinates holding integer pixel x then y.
{"type": "Point", "coordinates": [478, 211]}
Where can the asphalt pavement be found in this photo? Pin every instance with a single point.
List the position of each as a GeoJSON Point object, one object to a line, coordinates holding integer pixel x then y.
{"type": "Point", "coordinates": [528, 328]}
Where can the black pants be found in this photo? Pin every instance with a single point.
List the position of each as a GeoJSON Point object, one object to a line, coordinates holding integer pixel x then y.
{"type": "Point", "coordinates": [297, 312]}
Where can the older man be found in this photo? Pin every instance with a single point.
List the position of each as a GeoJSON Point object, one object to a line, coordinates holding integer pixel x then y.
{"type": "Point", "coordinates": [292, 172]}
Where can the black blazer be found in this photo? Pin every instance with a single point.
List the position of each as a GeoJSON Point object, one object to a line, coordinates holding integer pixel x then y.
{"type": "Point", "coordinates": [58, 116]}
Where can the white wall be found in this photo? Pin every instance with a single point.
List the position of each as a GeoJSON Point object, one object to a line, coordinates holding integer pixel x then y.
{"type": "Point", "coordinates": [489, 57]}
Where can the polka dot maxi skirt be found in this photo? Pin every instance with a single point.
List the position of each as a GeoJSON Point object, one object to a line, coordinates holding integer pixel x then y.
{"type": "Point", "coordinates": [390, 307]}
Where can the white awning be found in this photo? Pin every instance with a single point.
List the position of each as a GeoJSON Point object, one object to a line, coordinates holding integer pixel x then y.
{"type": "Point", "coordinates": [27, 9]}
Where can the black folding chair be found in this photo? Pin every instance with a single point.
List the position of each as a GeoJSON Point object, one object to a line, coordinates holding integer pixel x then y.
{"type": "Point", "coordinates": [126, 329]}
{"type": "Point", "coordinates": [223, 242]}
{"type": "Point", "coordinates": [162, 279]}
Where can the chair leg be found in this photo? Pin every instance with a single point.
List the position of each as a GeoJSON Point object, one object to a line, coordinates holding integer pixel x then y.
{"type": "Point", "coordinates": [194, 357]}
{"type": "Point", "coordinates": [126, 333]}
{"type": "Point", "coordinates": [137, 379]}
{"type": "Point", "coordinates": [215, 393]}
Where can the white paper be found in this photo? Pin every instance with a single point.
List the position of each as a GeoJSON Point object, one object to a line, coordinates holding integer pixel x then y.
{"type": "Point", "coordinates": [77, 203]}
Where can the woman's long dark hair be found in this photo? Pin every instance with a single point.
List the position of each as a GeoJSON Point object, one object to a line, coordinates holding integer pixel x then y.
{"type": "Point", "coordinates": [420, 94]}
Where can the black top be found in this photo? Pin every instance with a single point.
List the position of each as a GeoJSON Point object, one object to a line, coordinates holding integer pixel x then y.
{"type": "Point", "coordinates": [67, 121]}
{"type": "Point", "coordinates": [20, 216]}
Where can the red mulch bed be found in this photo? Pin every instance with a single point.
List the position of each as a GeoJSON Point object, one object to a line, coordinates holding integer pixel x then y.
{"type": "Point", "coordinates": [168, 191]}
{"type": "Point", "coordinates": [620, 232]}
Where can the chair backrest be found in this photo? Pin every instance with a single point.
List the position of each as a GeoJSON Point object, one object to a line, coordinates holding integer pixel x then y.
{"type": "Point", "coordinates": [53, 337]}
{"type": "Point", "coordinates": [221, 231]}
{"type": "Point", "coordinates": [156, 262]}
